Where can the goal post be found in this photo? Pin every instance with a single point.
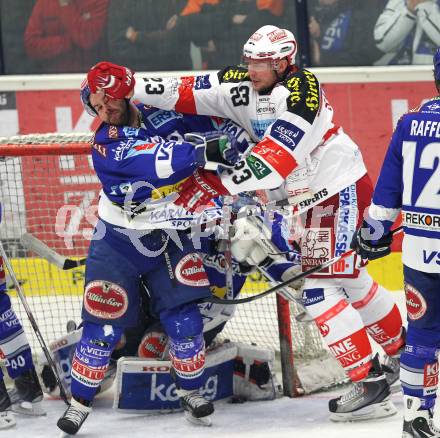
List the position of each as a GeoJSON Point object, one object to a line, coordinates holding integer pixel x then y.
{"type": "Point", "coordinates": [49, 190]}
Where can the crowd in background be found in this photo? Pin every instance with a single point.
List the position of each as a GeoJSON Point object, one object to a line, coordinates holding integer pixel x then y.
{"type": "Point", "coordinates": [68, 36]}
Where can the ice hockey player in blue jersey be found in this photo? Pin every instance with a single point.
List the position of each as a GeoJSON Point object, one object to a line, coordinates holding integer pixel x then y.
{"type": "Point", "coordinates": [409, 185]}
{"type": "Point", "coordinates": [26, 395]}
{"type": "Point", "coordinates": [15, 351]}
{"type": "Point", "coordinates": [148, 341]}
{"type": "Point", "coordinates": [143, 233]}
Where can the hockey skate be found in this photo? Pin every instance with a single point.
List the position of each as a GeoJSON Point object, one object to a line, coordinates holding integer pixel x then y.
{"type": "Point", "coordinates": [74, 417]}
{"type": "Point", "coordinates": [366, 400]}
{"type": "Point", "coordinates": [7, 419]}
{"type": "Point", "coordinates": [418, 423]}
{"type": "Point", "coordinates": [26, 395]}
{"type": "Point", "coordinates": [197, 408]}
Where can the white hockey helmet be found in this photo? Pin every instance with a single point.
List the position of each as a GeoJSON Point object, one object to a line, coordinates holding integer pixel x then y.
{"type": "Point", "coordinates": [271, 43]}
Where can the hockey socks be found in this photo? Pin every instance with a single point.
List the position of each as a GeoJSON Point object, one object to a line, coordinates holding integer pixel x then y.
{"type": "Point", "coordinates": [92, 358]}
{"type": "Point", "coordinates": [14, 346]}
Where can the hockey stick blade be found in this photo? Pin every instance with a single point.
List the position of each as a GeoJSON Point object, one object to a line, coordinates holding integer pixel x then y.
{"type": "Point", "coordinates": [38, 247]}
{"type": "Point", "coordinates": [282, 285]}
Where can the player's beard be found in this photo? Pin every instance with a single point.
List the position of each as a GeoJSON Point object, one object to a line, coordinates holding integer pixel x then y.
{"type": "Point", "coordinates": [121, 117]}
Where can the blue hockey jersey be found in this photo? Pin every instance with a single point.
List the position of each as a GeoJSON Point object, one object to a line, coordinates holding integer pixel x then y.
{"type": "Point", "coordinates": [409, 183]}
{"type": "Point", "coordinates": [141, 169]}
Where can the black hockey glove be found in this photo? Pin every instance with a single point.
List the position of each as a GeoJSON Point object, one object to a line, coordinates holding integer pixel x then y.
{"type": "Point", "coordinates": [214, 149]}
{"type": "Point", "coordinates": [370, 249]}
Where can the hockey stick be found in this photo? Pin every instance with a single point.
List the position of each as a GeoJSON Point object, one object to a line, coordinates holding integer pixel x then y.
{"type": "Point", "coordinates": [227, 252]}
{"type": "Point", "coordinates": [282, 285]}
{"type": "Point", "coordinates": [38, 247]}
{"type": "Point", "coordinates": [33, 323]}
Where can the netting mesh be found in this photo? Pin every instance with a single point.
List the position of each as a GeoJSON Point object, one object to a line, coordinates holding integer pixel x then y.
{"type": "Point", "coordinates": [54, 198]}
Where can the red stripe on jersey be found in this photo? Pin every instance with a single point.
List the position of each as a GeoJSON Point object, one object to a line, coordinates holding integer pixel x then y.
{"type": "Point", "coordinates": [332, 312]}
{"type": "Point", "coordinates": [370, 295]}
{"type": "Point", "coordinates": [279, 158]}
{"type": "Point", "coordinates": [186, 102]}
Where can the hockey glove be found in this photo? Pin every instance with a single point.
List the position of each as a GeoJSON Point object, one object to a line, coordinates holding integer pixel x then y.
{"type": "Point", "coordinates": [200, 188]}
{"type": "Point", "coordinates": [370, 249]}
{"type": "Point", "coordinates": [115, 80]}
{"type": "Point", "coordinates": [214, 149]}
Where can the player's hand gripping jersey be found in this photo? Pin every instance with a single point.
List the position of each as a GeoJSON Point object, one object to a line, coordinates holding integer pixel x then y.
{"type": "Point", "coordinates": [410, 183]}
{"type": "Point", "coordinates": [141, 169]}
{"type": "Point", "coordinates": [298, 149]}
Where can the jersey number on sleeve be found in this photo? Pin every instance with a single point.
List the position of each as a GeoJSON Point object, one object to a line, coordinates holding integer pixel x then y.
{"type": "Point", "coordinates": [153, 86]}
{"type": "Point", "coordinates": [241, 176]}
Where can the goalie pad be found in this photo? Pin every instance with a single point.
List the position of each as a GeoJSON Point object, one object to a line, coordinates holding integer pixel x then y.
{"type": "Point", "coordinates": [62, 351]}
{"type": "Point", "coordinates": [232, 370]}
{"type": "Point", "coordinates": [144, 385]}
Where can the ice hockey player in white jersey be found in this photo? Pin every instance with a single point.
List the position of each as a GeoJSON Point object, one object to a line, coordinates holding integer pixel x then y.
{"type": "Point", "coordinates": [308, 165]}
{"type": "Point", "coordinates": [408, 31]}
{"type": "Point", "coordinates": [409, 185]}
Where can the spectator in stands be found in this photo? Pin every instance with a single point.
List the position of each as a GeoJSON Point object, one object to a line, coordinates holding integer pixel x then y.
{"type": "Point", "coordinates": [66, 35]}
{"type": "Point", "coordinates": [14, 17]}
{"type": "Point", "coordinates": [408, 31]}
{"type": "Point", "coordinates": [341, 32]}
{"type": "Point", "coordinates": [146, 35]}
{"type": "Point", "coordinates": [232, 21]}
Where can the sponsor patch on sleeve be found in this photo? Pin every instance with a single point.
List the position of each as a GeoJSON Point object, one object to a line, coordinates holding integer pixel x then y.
{"type": "Point", "coordinates": [286, 133]}
{"type": "Point", "coordinates": [275, 155]}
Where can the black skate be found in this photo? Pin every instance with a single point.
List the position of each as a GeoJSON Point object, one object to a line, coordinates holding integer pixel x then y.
{"type": "Point", "coordinates": [7, 419]}
{"type": "Point", "coordinates": [418, 423]}
{"type": "Point", "coordinates": [366, 400]}
{"type": "Point", "coordinates": [74, 417]}
{"type": "Point", "coordinates": [26, 395]}
{"type": "Point", "coordinates": [197, 408]}
{"type": "Point", "coordinates": [391, 367]}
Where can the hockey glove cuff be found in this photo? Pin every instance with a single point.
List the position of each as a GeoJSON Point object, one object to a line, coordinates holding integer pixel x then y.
{"type": "Point", "coordinates": [199, 189]}
{"type": "Point", "coordinates": [214, 149]}
{"type": "Point", "coordinates": [371, 249]}
{"type": "Point", "coordinates": [116, 81]}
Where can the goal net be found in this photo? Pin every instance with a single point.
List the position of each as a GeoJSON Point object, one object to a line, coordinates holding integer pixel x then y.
{"type": "Point", "coordinates": [49, 190]}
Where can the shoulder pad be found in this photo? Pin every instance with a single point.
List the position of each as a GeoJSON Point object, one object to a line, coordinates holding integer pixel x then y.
{"type": "Point", "coordinates": [233, 74]}
{"type": "Point", "coordinates": [304, 97]}
{"type": "Point", "coordinates": [431, 106]}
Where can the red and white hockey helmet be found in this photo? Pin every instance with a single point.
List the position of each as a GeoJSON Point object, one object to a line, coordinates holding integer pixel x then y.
{"type": "Point", "coordinates": [270, 43]}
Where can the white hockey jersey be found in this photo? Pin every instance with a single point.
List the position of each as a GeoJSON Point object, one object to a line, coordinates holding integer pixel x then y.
{"type": "Point", "coordinates": [299, 154]}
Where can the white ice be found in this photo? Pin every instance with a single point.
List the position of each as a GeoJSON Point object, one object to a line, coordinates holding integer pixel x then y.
{"type": "Point", "coordinates": [303, 417]}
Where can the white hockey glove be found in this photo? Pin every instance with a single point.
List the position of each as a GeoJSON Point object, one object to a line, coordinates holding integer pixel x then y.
{"type": "Point", "coordinates": [249, 243]}
{"type": "Point", "coordinates": [252, 245]}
